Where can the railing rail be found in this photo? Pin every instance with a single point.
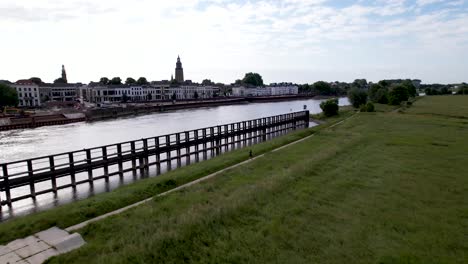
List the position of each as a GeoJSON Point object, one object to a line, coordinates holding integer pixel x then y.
{"type": "Point", "coordinates": [17, 174]}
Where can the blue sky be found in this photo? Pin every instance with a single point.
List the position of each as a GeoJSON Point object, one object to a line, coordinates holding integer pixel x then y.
{"type": "Point", "coordinates": [284, 40]}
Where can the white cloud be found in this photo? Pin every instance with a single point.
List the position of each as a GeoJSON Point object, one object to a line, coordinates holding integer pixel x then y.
{"type": "Point", "coordinates": [218, 39]}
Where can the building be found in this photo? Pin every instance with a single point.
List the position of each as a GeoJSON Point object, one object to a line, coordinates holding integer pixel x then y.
{"type": "Point", "coordinates": [59, 92]}
{"type": "Point", "coordinates": [193, 91]}
{"type": "Point", "coordinates": [271, 90]}
{"type": "Point", "coordinates": [28, 93]}
{"type": "Point", "coordinates": [179, 71]}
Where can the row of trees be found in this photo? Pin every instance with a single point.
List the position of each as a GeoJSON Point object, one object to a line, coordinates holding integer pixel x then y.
{"type": "Point", "coordinates": [383, 93]}
{"type": "Point", "coordinates": [118, 81]}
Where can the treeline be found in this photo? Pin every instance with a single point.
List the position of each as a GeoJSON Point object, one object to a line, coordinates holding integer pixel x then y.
{"type": "Point", "coordinates": [444, 89]}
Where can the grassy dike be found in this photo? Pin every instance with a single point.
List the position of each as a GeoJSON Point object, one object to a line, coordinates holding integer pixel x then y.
{"type": "Point", "coordinates": [383, 187]}
{"type": "Point", "coordinates": [80, 211]}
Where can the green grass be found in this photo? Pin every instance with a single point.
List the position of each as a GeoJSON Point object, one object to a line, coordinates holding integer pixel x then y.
{"type": "Point", "coordinates": [446, 105]}
{"type": "Point", "coordinates": [378, 188]}
{"type": "Point", "coordinates": [77, 212]}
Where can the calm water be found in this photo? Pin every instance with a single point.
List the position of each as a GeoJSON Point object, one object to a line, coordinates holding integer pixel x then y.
{"type": "Point", "coordinates": [29, 143]}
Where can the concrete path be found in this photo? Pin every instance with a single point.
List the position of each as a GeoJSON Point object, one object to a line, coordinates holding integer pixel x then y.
{"type": "Point", "coordinates": [39, 247]}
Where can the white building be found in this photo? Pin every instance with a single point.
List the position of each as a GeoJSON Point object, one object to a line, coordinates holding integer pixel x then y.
{"type": "Point", "coordinates": [188, 92]}
{"type": "Point", "coordinates": [59, 92]}
{"type": "Point", "coordinates": [272, 90]}
{"type": "Point", "coordinates": [28, 93]}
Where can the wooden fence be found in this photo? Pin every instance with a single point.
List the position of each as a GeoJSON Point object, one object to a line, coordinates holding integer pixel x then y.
{"type": "Point", "coordinates": [139, 155]}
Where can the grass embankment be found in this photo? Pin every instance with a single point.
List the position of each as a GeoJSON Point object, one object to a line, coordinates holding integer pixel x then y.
{"type": "Point", "coordinates": [80, 211]}
{"type": "Point", "coordinates": [378, 188]}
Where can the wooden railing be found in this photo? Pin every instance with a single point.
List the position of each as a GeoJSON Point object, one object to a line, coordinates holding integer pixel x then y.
{"type": "Point", "coordinates": [106, 161]}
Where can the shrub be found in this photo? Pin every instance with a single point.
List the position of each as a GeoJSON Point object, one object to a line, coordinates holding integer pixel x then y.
{"type": "Point", "coordinates": [369, 107]}
{"type": "Point", "coordinates": [398, 94]}
{"type": "Point", "coordinates": [330, 107]}
{"type": "Point", "coordinates": [357, 97]}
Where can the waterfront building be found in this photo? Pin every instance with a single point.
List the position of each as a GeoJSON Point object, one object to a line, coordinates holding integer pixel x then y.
{"type": "Point", "coordinates": [271, 90]}
{"type": "Point", "coordinates": [28, 93]}
{"type": "Point", "coordinates": [59, 92]}
{"type": "Point", "coordinates": [179, 71]}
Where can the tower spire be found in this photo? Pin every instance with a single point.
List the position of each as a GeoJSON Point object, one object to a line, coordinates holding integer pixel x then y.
{"type": "Point", "coordinates": [64, 74]}
{"type": "Point", "coordinates": [179, 71]}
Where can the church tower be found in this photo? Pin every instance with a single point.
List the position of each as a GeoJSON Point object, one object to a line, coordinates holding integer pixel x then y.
{"type": "Point", "coordinates": [179, 71]}
{"type": "Point", "coordinates": [64, 74]}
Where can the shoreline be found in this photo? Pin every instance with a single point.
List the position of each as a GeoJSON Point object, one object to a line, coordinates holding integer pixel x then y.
{"type": "Point", "coordinates": [96, 114]}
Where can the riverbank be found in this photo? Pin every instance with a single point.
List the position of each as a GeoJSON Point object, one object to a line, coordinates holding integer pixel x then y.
{"type": "Point", "coordinates": [95, 114]}
{"type": "Point", "coordinates": [381, 187]}
{"type": "Point", "coordinates": [77, 212]}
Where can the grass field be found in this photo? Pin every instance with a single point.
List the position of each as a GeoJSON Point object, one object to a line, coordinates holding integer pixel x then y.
{"type": "Point", "coordinates": [381, 187]}
{"type": "Point", "coordinates": [77, 212]}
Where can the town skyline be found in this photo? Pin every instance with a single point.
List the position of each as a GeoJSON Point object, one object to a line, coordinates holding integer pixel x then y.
{"type": "Point", "coordinates": [289, 40]}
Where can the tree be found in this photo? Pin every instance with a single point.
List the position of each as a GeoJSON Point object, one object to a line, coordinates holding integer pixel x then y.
{"type": "Point", "coordinates": [398, 94]}
{"type": "Point", "coordinates": [207, 82]}
{"type": "Point", "coordinates": [373, 92]}
{"type": "Point", "coordinates": [104, 80]}
{"type": "Point", "coordinates": [130, 81]}
{"type": "Point", "coordinates": [8, 96]}
{"type": "Point", "coordinates": [60, 80]}
{"type": "Point", "coordinates": [142, 81]}
{"type": "Point", "coordinates": [410, 87]}
{"type": "Point", "coordinates": [359, 83]}
{"type": "Point", "coordinates": [252, 78]}
{"type": "Point", "coordinates": [238, 82]}
{"type": "Point", "coordinates": [381, 96]}
{"type": "Point", "coordinates": [384, 83]}
{"type": "Point", "coordinates": [149, 97]}
{"type": "Point", "coordinates": [36, 80]}
{"type": "Point", "coordinates": [174, 96]}
{"type": "Point", "coordinates": [115, 81]}
{"type": "Point", "coordinates": [330, 107]}
{"type": "Point", "coordinates": [195, 95]}
{"type": "Point", "coordinates": [357, 97]}
{"type": "Point", "coordinates": [322, 87]}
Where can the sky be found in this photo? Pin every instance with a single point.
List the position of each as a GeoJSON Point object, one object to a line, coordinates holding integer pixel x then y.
{"type": "Point", "coordinates": [300, 41]}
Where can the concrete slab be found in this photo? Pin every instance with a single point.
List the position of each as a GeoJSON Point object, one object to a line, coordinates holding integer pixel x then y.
{"type": "Point", "coordinates": [69, 243]}
{"type": "Point", "coordinates": [52, 234]}
{"type": "Point", "coordinates": [9, 258]}
{"type": "Point", "coordinates": [43, 256]}
{"type": "Point", "coordinates": [32, 249]}
{"type": "Point", "coordinates": [22, 242]}
{"type": "Point", "coordinates": [4, 250]}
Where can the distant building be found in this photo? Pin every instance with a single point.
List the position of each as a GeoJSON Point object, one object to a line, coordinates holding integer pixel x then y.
{"type": "Point", "coordinates": [179, 71]}
{"type": "Point", "coordinates": [28, 93]}
{"type": "Point", "coordinates": [272, 90]}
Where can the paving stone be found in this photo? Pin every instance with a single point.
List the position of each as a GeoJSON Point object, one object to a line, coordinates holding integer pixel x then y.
{"type": "Point", "coordinates": [69, 243]}
{"type": "Point", "coordinates": [43, 256]}
{"type": "Point", "coordinates": [52, 234]}
{"type": "Point", "coordinates": [22, 242]}
{"type": "Point", "coordinates": [32, 249]}
{"type": "Point", "coordinates": [4, 250]}
{"type": "Point", "coordinates": [9, 258]}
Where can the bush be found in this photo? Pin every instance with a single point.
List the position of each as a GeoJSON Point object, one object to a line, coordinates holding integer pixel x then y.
{"type": "Point", "coordinates": [330, 107]}
{"type": "Point", "coordinates": [357, 97]}
{"type": "Point", "coordinates": [369, 107]}
{"type": "Point", "coordinates": [381, 96]}
{"type": "Point", "coordinates": [398, 94]}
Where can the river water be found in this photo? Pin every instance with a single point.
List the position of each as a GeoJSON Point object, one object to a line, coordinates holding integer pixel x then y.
{"type": "Point", "coordinates": [30, 143]}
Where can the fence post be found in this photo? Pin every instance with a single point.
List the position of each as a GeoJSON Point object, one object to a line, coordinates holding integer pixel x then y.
{"type": "Point", "coordinates": [307, 119]}
{"type": "Point", "coordinates": [197, 146]}
{"type": "Point", "coordinates": [168, 153]}
{"type": "Point", "coordinates": [31, 179]}
{"type": "Point", "coordinates": [158, 156]}
{"type": "Point", "coordinates": [90, 169]}
{"type": "Point", "coordinates": [179, 161]}
{"type": "Point", "coordinates": [72, 169]}
{"type": "Point", "coordinates": [204, 144]}
{"type": "Point", "coordinates": [53, 177]}
{"type": "Point", "coordinates": [187, 148]}
{"type": "Point", "coordinates": [144, 166]}
{"type": "Point", "coordinates": [119, 156]}
{"type": "Point", "coordinates": [132, 151]}
{"type": "Point", "coordinates": [106, 166]}
{"type": "Point", "coordinates": [6, 182]}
